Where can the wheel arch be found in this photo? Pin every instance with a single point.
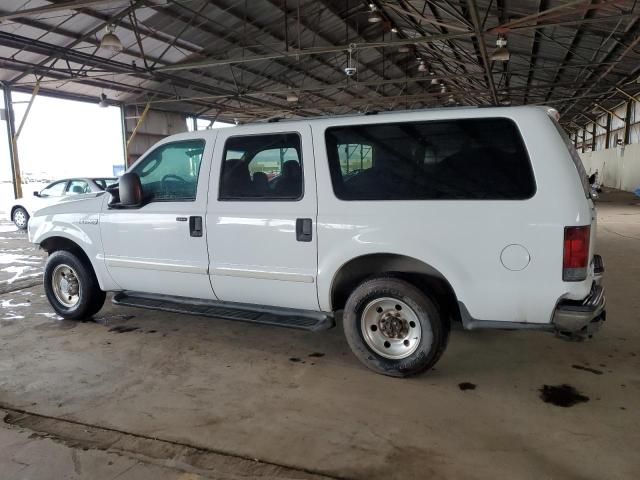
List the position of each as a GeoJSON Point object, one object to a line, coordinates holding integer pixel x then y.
{"type": "Point", "coordinates": [420, 274]}
{"type": "Point", "coordinates": [55, 243]}
{"type": "Point", "coordinates": [17, 206]}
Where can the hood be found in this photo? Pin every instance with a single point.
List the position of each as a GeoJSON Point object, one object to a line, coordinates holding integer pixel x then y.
{"type": "Point", "coordinates": [83, 203]}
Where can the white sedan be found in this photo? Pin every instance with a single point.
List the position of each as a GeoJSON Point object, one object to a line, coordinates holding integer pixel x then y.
{"type": "Point", "coordinates": [23, 208]}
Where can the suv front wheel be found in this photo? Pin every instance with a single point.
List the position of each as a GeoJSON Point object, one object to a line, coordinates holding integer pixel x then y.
{"type": "Point", "coordinates": [394, 328]}
{"type": "Point", "coordinates": [71, 286]}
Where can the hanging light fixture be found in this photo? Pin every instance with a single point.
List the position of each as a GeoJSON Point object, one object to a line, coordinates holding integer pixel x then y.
{"type": "Point", "coordinates": [394, 30]}
{"type": "Point", "coordinates": [443, 88]}
{"type": "Point", "coordinates": [292, 97]}
{"type": "Point", "coordinates": [103, 101]}
{"type": "Point", "coordinates": [422, 66]}
{"type": "Point", "coordinates": [374, 16]}
{"type": "Point", "coordinates": [435, 81]}
{"type": "Point", "coordinates": [110, 40]}
{"type": "Point", "coordinates": [501, 53]}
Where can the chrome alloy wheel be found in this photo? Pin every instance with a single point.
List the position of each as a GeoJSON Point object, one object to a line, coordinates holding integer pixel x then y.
{"type": "Point", "coordinates": [66, 286]}
{"type": "Point", "coordinates": [391, 328]}
{"type": "Point", "coordinates": [20, 218]}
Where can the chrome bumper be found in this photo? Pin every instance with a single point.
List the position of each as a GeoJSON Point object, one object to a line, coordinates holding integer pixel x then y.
{"type": "Point", "coordinates": [581, 318]}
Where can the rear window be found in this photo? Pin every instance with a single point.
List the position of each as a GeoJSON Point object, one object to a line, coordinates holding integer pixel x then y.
{"type": "Point", "coordinates": [471, 159]}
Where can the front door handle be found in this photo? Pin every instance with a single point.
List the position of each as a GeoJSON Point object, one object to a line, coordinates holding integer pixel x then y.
{"type": "Point", "coordinates": [304, 229]}
{"type": "Point", "coordinates": [195, 226]}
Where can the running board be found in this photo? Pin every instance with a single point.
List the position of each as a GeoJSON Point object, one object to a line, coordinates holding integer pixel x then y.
{"type": "Point", "coordinates": [282, 317]}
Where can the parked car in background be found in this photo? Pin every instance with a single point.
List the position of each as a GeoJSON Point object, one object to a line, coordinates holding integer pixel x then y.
{"type": "Point", "coordinates": [23, 208]}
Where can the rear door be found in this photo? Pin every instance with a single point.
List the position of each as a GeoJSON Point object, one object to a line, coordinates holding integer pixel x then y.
{"type": "Point", "coordinates": [262, 217]}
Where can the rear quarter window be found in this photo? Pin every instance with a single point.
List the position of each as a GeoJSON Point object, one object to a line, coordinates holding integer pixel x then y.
{"type": "Point", "coordinates": [470, 159]}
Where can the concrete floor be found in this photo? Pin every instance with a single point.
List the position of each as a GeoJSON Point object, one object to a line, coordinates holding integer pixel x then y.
{"type": "Point", "coordinates": [187, 397]}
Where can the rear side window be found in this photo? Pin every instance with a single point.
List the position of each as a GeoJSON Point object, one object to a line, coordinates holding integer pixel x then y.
{"type": "Point", "coordinates": [262, 167]}
{"type": "Point", "coordinates": [471, 159]}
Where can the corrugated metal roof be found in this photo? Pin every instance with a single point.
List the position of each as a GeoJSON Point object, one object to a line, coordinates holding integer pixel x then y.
{"type": "Point", "coordinates": [564, 54]}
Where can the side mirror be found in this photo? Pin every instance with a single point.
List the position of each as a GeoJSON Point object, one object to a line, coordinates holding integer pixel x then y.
{"type": "Point", "coordinates": [130, 190]}
{"type": "Point", "coordinates": [36, 194]}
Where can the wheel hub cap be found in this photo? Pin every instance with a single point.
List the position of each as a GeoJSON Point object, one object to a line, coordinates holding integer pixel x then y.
{"type": "Point", "coordinates": [390, 327]}
{"type": "Point", "coordinates": [66, 286]}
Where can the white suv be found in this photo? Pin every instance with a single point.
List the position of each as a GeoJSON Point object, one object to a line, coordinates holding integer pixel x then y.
{"type": "Point", "coordinates": [404, 221]}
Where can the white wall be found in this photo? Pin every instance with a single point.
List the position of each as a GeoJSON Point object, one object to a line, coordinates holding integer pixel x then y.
{"type": "Point", "coordinates": [617, 167]}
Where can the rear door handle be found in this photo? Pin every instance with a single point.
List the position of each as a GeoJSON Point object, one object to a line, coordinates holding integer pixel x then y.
{"type": "Point", "coordinates": [304, 229]}
{"type": "Point", "coordinates": [195, 226]}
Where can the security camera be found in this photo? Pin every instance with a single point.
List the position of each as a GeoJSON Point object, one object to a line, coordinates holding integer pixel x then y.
{"type": "Point", "coordinates": [350, 71]}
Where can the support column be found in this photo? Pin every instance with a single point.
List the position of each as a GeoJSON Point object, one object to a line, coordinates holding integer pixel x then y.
{"type": "Point", "coordinates": [123, 123]}
{"type": "Point", "coordinates": [593, 136]}
{"type": "Point", "coordinates": [607, 138]}
{"type": "Point", "coordinates": [13, 151]}
{"type": "Point", "coordinates": [627, 123]}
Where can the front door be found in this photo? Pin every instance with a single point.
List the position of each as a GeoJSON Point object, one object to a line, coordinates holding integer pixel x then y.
{"type": "Point", "coordinates": [162, 247]}
{"type": "Point", "coordinates": [262, 217]}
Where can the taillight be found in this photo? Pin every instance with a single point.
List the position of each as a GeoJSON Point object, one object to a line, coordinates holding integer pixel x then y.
{"type": "Point", "coordinates": [576, 253]}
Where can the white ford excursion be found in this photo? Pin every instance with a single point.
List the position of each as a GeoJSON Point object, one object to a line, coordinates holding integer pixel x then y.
{"type": "Point", "coordinates": [404, 221]}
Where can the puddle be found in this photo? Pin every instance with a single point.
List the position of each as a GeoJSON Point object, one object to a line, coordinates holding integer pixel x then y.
{"type": "Point", "coordinates": [562, 395]}
{"type": "Point", "coordinates": [12, 316]}
{"type": "Point", "coordinates": [9, 303]}
{"type": "Point", "coordinates": [51, 315]}
{"type": "Point", "coordinates": [122, 329]}
{"type": "Point", "coordinates": [106, 319]}
{"type": "Point", "coordinates": [316, 354]}
{"type": "Point", "coordinates": [588, 369]}
{"type": "Point", "coordinates": [295, 360]}
{"type": "Point", "coordinates": [466, 386]}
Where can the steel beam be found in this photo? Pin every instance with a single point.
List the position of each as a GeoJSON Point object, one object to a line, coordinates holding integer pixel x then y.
{"type": "Point", "coordinates": [71, 5]}
{"type": "Point", "coordinates": [473, 10]}
{"type": "Point", "coordinates": [11, 128]}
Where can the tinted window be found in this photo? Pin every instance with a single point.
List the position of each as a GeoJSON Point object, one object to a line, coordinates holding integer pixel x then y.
{"type": "Point", "coordinates": [77, 186]}
{"type": "Point", "coordinates": [54, 190]}
{"type": "Point", "coordinates": [262, 167]}
{"type": "Point", "coordinates": [452, 159]}
{"type": "Point", "coordinates": [170, 172]}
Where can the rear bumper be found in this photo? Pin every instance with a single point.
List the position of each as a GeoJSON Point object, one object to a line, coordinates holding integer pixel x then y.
{"type": "Point", "coordinates": [583, 318]}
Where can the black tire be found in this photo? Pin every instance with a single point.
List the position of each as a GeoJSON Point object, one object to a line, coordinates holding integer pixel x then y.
{"type": "Point", "coordinates": [91, 298]}
{"type": "Point", "coordinates": [18, 214]}
{"type": "Point", "coordinates": [426, 354]}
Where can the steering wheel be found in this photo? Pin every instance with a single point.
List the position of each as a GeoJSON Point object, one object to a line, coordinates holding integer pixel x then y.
{"type": "Point", "coordinates": [173, 178]}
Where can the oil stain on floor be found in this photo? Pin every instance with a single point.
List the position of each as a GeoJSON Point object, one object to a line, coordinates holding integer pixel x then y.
{"type": "Point", "coordinates": [562, 395]}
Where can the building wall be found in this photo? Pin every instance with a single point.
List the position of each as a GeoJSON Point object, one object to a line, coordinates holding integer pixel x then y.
{"type": "Point", "coordinates": [156, 126]}
{"type": "Point", "coordinates": [617, 167]}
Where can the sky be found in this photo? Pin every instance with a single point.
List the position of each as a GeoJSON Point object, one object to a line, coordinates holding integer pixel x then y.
{"type": "Point", "coordinates": [65, 138]}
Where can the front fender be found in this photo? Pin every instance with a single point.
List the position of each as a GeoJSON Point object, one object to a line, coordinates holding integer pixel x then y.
{"type": "Point", "coordinates": [77, 222]}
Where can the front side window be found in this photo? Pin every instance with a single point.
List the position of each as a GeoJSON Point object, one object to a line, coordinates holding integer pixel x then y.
{"type": "Point", "coordinates": [470, 159]}
{"type": "Point", "coordinates": [77, 187]}
{"type": "Point", "coordinates": [262, 167]}
{"type": "Point", "coordinates": [170, 172]}
{"type": "Point", "coordinates": [54, 190]}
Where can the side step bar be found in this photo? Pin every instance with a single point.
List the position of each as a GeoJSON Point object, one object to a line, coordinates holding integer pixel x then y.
{"type": "Point", "coordinates": [282, 317]}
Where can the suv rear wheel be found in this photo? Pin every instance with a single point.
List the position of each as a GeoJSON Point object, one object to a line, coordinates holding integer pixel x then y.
{"type": "Point", "coordinates": [71, 286]}
{"type": "Point", "coordinates": [394, 328]}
